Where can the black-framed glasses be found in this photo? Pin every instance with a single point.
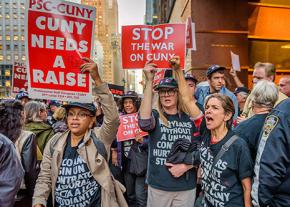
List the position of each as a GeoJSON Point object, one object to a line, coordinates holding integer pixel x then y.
{"type": "Point", "coordinates": [163, 93]}
{"type": "Point", "coordinates": [80, 115]}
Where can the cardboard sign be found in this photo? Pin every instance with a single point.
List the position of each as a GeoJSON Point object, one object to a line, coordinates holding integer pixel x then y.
{"type": "Point", "coordinates": [19, 80]}
{"type": "Point", "coordinates": [129, 128]}
{"type": "Point", "coordinates": [58, 35]}
{"type": "Point", "coordinates": [141, 43]}
{"type": "Point", "coordinates": [158, 76]}
{"type": "Point", "coordinates": [116, 90]}
{"type": "Point", "coordinates": [235, 62]}
{"type": "Point", "coordinates": [190, 35]}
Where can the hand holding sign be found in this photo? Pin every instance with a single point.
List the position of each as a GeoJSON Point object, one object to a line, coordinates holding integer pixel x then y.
{"type": "Point", "coordinates": [149, 70]}
{"type": "Point", "coordinates": [175, 63]}
{"type": "Point", "coordinates": [91, 67]}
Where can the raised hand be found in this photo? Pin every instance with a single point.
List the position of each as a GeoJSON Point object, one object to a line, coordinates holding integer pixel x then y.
{"type": "Point", "coordinates": [175, 63]}
{"type": "Point", "coordinates": [149, 70]}
{"type": "Point", "coordinates": [91, 67]}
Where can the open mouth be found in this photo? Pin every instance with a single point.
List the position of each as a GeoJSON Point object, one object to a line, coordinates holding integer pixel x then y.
{"type": "Point", "coordinates": [208, 119]}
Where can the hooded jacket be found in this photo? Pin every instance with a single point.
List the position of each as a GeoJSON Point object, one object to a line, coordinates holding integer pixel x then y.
{"type": "Point", "coordinates": [272, 167]}
{"type": "Point", "coordinates": [42, 131]}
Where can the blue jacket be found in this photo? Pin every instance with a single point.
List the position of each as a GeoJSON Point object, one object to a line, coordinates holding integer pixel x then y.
{"type": "Point", "coordinates": [203, 91]}
{"type": "Point", "coordinates": [271, 185]}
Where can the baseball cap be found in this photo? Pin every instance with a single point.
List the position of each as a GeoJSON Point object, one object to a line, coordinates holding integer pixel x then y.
{"type": "Point", "coordinates": [167, 83]}
{"type": "Point", "coordinates": [88, 106]}
{"type": "Point", "coordinates": [54, 103]}
{"type": "Point", "coordinates": [241, 89]}
{"type": "Point", "coordinates": [130, 94]}
{"type": "Point", "coordinates": [189, 76]}
{"type": "Point", "coordinates": [21, 95]}
{"type": "Point", "coordinates": [214, 68]}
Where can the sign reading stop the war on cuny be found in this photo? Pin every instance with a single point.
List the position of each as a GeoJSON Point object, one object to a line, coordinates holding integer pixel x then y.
{"type": "Point", "coordinates": [129, 128]}
{"type": "Point", "coordinates": [141, 43]}
{"type": "Point", "coordinates": [19, 81]}
{"type": "Point", "coordinates": [58, 35]}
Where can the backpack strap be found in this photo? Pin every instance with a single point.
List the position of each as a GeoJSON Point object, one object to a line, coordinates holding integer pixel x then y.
{"type": "Point", "coordinates": [224, 148]}
{"type": "Point", "coordinates": [100, 146]}
{"type": "Point", "coordinates": [98, 143]}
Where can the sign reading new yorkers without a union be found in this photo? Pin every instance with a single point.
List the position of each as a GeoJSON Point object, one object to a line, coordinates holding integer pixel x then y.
{"type": "Point", "coordinates": [141, 43]}
{"type": "Point", "coordinates": [58, 35]}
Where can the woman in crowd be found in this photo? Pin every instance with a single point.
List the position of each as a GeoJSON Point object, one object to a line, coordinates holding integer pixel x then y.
{"type": "Point", "coordinates": [35, 121]}
{"type": "Point", "coordinates": [11, 119]}
{"type": "Point", "coordinates": [264, 97]}
{"type": "Point", "coordinates": [168, 184]}
{"type": "Point", "coordinates": [226, 174]}
{"type": "Point", "coordinates": [74, 168]}
{"type": "Point", "coordinates": [135, 184]}
{"type": "Point", "coordinates": [59, 117]}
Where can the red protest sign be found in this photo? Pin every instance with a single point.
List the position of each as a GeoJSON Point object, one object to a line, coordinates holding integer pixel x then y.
{"type": "Point", "coordinates": [58, 35]}
{"type": "Point", "coordinates": [19, 81]}
{"type": "Point", "coordinates": [159, 43]}
{"type": "Point", "coordinates": [190, 34]}
{"type": "Point", "coordinates": [129, 128]}
{"type": "Point", "coordinates": [158, 76]}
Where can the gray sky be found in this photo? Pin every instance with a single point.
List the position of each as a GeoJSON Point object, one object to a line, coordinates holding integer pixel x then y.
{"type": "Point", "coordinates": [131, 12]}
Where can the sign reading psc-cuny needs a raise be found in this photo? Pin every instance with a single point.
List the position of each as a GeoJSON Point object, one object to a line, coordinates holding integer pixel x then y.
{"type": "Point", "coordinates": [141, 43]}
{"type": "Point", "coordinates": [58, 35]}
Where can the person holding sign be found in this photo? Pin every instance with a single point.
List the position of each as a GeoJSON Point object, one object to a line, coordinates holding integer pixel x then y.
{"type": "Point", "coordinates": [135, 184]}
{"type": "Point", "coordinates": [224, 158]}
{"type": "Point", "coordinates": [168, 184]}
{"type": "Point", "coordinates": [74, 168]}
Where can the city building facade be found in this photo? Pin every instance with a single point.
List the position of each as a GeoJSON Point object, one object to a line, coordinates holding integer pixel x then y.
{"type": "Point", "coordinates": [12, 40]}
{"type": "Point", "coordinates": [107, 40]}
{"type": "Point", "coordinates": [256, 30]}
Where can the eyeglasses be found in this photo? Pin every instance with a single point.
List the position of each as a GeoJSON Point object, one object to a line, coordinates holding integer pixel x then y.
{"type": "Point", "coordinates": [163, 93]}
{"type": "Point", "coordinates": [80, 115]}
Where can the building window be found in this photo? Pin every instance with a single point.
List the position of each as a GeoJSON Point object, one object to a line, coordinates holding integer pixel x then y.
{"type": "Point", "coordinates": [8, 57]}
{"type": "Point", "coordinates": [7, 83]}
{"type": "Point", "coordinates": [16, 57]}
{"type": "Point", "coordinates": [22, 37]}
{"type": "Point", "coordinates": [23, 58]}
{"type": "Point", "coordinates": [7, 16]}
{"type": "Point", "coordinates": [0, 37]}
{"type": "Point", "coordinates": [8, 37]}
{"type": "Point", "coordinates": [7, 72]}
{"type": "Point", "coordinates": [1, 57]}
{"type": "Point", "coordinates": [276, 52]}
{"type": "Point", "coordinates": [15, 16]}
{"type": "Point", "coordinates": [16, 37]}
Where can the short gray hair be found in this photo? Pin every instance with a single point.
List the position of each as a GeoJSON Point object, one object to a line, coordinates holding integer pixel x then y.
{"type": "Point", "coordinates": [32, 111]}
{"type": "Point", "coordinates": [265, 94]}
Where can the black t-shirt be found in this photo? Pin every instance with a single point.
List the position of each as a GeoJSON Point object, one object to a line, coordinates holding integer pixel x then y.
{"type": "Point", "coordinates": [250, 130]}
{"type": "Point", "coordinates": [222, 185]}
{"type": "Point", "coordinates": [161, 139]}
{"type": "Point", "coordinates": [75, 185]}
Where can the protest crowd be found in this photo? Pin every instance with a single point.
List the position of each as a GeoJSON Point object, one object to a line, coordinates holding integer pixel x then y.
{"type": "Point", "coordinates": [179, 144]}
{"type": "Point", "coordinates": [199, 146]}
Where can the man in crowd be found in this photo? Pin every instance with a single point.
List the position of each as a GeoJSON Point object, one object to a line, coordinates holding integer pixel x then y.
{"type": "Point", "coordinates": [262, 71]}
{"type": "Point", "coordinates": [216, 79]}
{"type": "Point", "coordinates": [284, 85]}
{"type": "Point", "coordinates": [191, 83]}
{"type": "Point", "coordinates": [272, 167]}
{"type": "Point", "coordinates": [242, 94]}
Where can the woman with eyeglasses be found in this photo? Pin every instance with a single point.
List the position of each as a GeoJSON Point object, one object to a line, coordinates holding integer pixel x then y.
{"type": "Point", "coordinates": [168, 184]}
{"type": "Point", "coordinates": [74, 168]}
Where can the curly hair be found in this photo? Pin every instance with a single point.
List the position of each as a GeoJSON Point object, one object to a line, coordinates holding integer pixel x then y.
{"type": "Point", "coordinates": [11, 119]}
